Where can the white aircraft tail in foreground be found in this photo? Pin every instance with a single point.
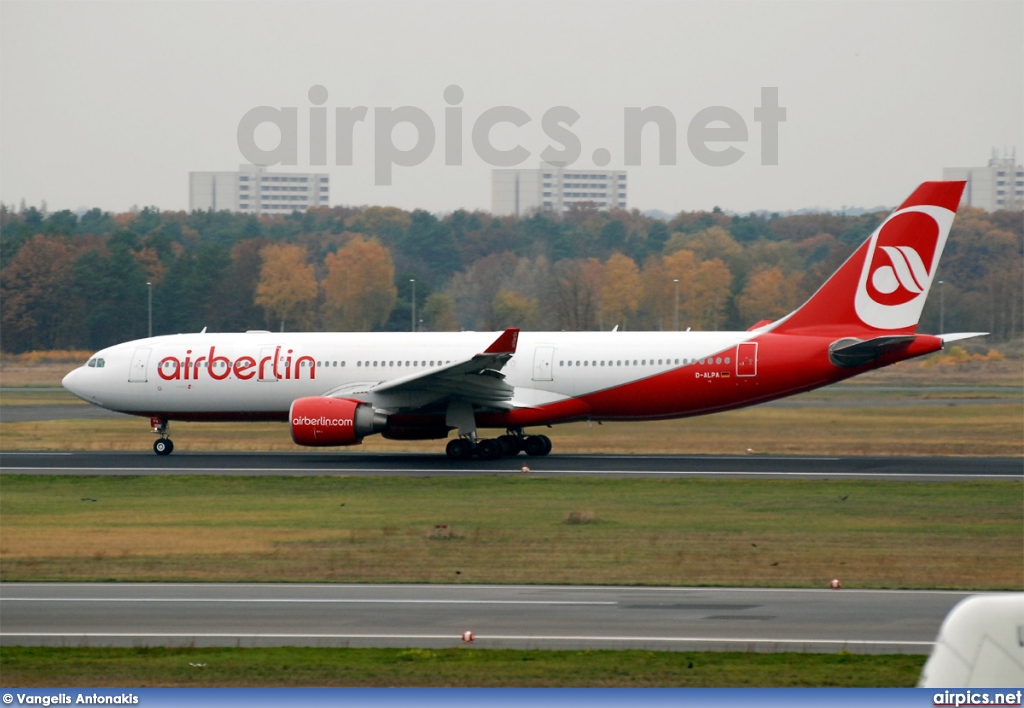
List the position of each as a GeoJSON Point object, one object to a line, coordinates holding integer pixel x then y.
{"type": "Point", "coordinates": [335, 389]}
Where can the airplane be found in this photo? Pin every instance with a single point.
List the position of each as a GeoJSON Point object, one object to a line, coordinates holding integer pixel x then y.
{"type": "Point", "coordinates": [336, 388]}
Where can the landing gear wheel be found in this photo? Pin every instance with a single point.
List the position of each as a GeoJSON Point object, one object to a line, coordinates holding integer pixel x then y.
{"type": "Point", "coordinates": [490, 449]}
{"type": "Point", "coordinates": [513, 446]}
{"type": "Point", "coordinates": [537, 445]}
{"type": "Point", "coordinates": [163, 446]}
{"type": "Point", "coordinates": [547, 443]}
{"type": "Point", "coordinates": [459, 449]}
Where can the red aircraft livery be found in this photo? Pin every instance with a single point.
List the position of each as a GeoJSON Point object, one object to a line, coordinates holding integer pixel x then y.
{"type": "Point", "coordinates": [337, 388]}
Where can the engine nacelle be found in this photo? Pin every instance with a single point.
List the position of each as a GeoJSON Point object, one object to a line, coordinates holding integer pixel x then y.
{"type": "Point", "coordinates": [318, 421]}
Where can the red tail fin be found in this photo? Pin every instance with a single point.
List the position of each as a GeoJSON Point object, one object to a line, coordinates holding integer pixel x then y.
{"type": "Point", "coordinates": [882, 287]}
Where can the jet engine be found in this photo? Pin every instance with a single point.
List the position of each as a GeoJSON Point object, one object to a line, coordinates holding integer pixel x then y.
{"type": "Point", "coordinates": [318, 421]}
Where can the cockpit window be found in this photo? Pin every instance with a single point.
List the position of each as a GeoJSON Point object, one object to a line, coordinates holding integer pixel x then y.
{"type": "Point", "coordinates": [92, 363]}
{"type": "Point", "coordinates": [96, 363]}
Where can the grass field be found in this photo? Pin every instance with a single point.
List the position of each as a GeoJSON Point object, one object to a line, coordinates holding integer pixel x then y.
{"type": "Point", "coordinates": [463, 667]}
{"type": "Point", "coordinates": [872, 534]}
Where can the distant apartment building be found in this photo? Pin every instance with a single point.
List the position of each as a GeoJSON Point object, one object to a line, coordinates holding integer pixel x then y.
{"type": "Point", "coordinates": [999, 185]}
{"type": "Point", "coordinates": [253, 190]}
{"type": "Point", "coordinates": [555, 189]}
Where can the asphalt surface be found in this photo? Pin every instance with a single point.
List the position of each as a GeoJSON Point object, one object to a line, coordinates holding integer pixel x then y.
{"type": "Point", "coordinates": [555, 465]}
{"type": "Point", "coordinates": [525, 617]}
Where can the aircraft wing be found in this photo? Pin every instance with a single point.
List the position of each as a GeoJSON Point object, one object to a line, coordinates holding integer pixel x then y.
{"type": "Point", "coordinates": [475, 380]}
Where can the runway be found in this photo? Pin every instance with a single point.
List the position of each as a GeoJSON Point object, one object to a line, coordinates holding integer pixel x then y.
{"type": "Point", "coordinates": [555, 465]}
{"type": "Point", "coordinates": [544, 617]}
{"type": "Point", "coordinates": [432, 616]}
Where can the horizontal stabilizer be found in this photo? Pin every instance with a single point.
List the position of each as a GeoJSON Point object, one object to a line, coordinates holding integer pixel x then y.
{"type": "Point", "coordinates": [961, 335]}
{"type": "Point", "coordinates": [850, 353]}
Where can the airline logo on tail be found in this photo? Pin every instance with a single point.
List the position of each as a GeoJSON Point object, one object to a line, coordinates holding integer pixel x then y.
{"type": "Point", "coordinates": [901, 260]}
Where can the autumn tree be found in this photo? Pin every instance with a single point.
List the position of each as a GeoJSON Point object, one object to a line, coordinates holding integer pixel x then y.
{"type": "Point", "coordinates": [513, 309]}
{"type": "Point", "coordinates": [439, 313]}
{"type": "Point", "coordinates": [678, 288]}
{"type": "Point", "coordinates": [655, 311]}
{"type": "Point", "coordinates": [287, 288]}
{"type": "Point", "coordinates": [359, 291]}
{"type": "Point", "coordinates": [577, 293]}
{"type": "Point", "coordinates": [768, 294]}
{"type": "Point", "coordinates": [37, 292]}
{"type": "Point", "coordinates": [386, 223]}
{"type": "Point", "coordinates": [715, 242]}
{"type": "Point", "coordinates": [705, 309]}
{"type": "Point", "coordinates": [621, 290]}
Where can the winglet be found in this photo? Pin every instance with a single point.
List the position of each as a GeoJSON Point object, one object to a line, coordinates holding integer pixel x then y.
{"type": "Point", "coordinates": [506, 343]}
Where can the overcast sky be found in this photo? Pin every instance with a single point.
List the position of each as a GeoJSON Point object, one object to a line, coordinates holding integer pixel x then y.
{"type": "Point", "coordinates": [112, 104]}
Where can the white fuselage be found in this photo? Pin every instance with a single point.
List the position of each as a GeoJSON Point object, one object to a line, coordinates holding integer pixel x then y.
{"type": "Point", "coordinates": [262, 373]}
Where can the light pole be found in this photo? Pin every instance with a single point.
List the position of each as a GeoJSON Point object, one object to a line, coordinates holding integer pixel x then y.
{"type": "Point", "coordinates": [676, 281]}
{"type": "Point", "coordinates": [413, 281]}
{"type": "Point", "coordinates": [942, 307]}
{"type": "Point", "coordinates": [149, 289]}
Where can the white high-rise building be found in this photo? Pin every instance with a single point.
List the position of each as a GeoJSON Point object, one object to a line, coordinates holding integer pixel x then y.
{"type": "Point", "coordinates": [253, 190]}
{"type": "Point", "coordinates": [999, 185]}
{"type": "Point", "coordinates": [554, 188]}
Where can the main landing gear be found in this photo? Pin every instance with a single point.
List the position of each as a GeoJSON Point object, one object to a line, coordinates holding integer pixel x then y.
{"type": "Point", "coordinates": [508, 445]}
{"type": "Point", "coordinates": [163, 446]}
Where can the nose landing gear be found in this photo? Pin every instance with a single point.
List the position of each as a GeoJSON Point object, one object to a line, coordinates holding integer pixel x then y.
{"type": "Point", "coordinates": [163, 446]}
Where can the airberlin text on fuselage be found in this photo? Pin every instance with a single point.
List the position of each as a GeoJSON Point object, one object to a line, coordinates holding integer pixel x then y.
{"type": "Point", "coordinates": [218, 368]}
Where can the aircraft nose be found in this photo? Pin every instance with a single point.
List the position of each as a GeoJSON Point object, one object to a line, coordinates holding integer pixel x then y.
{"type": "Point", "coordinates": [69, 382]}
{"type": "Point", "coordinates": [75, 382]}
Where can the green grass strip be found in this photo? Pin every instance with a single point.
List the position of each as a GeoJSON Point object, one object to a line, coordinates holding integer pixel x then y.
{"type": "Point", "coordinates": [521, 529]}
{"type": "Point", "coordinates": [458, 667]}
